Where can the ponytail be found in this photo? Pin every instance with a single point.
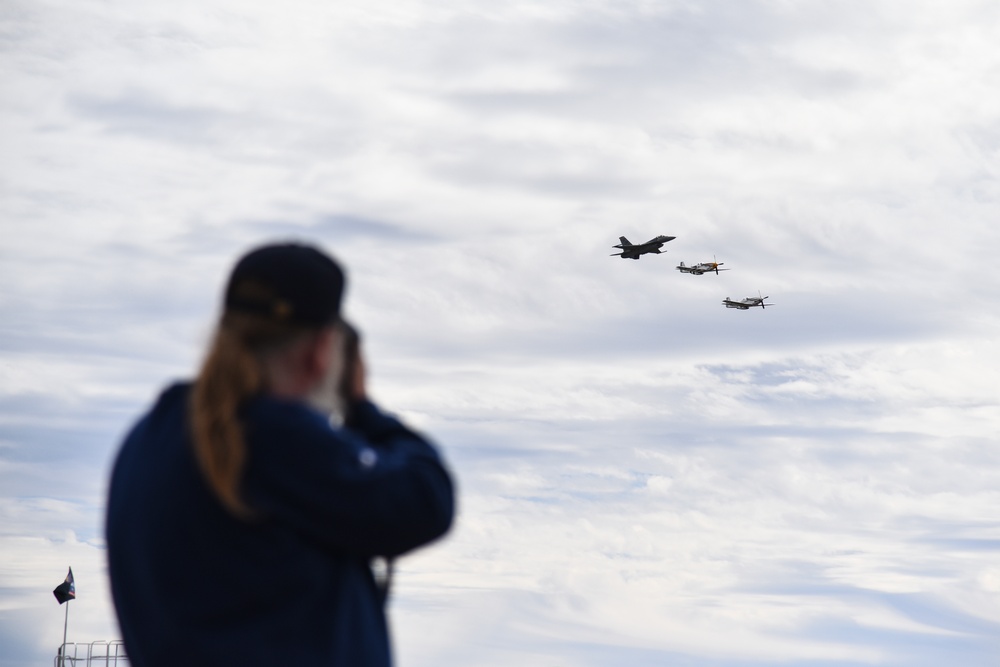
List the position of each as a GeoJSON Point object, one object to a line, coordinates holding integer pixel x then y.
{"type": "Point", "coordinates": [231, 374]}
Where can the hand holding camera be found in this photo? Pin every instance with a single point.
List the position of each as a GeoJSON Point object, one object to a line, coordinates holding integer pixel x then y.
{"type": "Point", "coordinates": [352, 381]}
{"type": "Point", "coordinates": [343, 385]}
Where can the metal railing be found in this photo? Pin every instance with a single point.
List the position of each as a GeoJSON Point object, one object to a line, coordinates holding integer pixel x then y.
{"type": "Point", "coordinates": [95, 654]}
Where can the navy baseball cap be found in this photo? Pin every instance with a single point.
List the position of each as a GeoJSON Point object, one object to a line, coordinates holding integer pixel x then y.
{"type": "Point", "coordinates": [287, 282]}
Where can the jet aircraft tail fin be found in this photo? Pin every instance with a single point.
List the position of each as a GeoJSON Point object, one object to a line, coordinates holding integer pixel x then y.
{"type": "Point", "coordinates": [624, 240]}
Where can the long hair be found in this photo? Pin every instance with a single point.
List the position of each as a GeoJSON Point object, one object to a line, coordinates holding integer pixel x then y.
{"type": "Point", "coordinates": [231, 373]}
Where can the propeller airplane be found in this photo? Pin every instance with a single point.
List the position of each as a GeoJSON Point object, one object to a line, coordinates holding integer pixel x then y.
{"type": "Point", "coordinates": [702, 267]}
{"type": "Point", "coordinates": [747, 303]}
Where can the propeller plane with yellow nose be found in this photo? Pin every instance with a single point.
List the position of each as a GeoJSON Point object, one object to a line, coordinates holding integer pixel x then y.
{"type": "Point", "coordinates": [702, 267]}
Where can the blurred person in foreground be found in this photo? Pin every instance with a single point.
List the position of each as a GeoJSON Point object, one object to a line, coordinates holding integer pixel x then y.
{"type": "Point", "coordinates": [242, 526]}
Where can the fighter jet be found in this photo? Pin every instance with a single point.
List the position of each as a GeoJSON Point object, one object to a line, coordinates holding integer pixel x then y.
{"type": "Point", "coordinates": [633, 251]}
{"type": "Point", "coordinates": [747, 303]}
{"type": "Point", "coordinates": [703, 267]}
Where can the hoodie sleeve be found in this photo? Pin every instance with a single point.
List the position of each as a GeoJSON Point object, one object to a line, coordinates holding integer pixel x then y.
{"type": "Point", "coordinates": [374, 487]}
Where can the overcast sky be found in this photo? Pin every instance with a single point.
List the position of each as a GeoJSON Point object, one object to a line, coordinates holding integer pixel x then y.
{"type": "Point", "coordinates": [646, 477]}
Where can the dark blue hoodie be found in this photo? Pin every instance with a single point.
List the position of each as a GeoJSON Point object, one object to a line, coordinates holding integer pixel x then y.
{"type": "Point", "coordinates": [193, 585]}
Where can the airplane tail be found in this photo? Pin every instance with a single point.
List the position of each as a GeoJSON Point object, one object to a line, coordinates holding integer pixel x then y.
{"type": "Point", "coordinates": [624, 240]}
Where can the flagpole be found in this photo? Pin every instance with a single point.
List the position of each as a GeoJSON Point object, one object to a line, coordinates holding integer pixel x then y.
{"type": "Point", "coordinates": [62, 659]}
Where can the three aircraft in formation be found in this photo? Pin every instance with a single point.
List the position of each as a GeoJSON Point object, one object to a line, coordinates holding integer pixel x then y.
{"type": "Point", "coordinates": [636, 250]}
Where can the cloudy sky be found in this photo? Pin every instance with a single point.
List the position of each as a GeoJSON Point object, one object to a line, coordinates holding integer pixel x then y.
{"type": "Point", "coordinates": [647, 478]}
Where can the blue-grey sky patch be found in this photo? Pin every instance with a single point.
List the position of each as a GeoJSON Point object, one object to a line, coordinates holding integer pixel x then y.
{"type": "Point", "coordinates": [141, 114]}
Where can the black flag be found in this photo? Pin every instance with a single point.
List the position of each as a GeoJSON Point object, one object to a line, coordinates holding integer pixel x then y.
{"type": "Point", "coordinates": [66, 591]}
